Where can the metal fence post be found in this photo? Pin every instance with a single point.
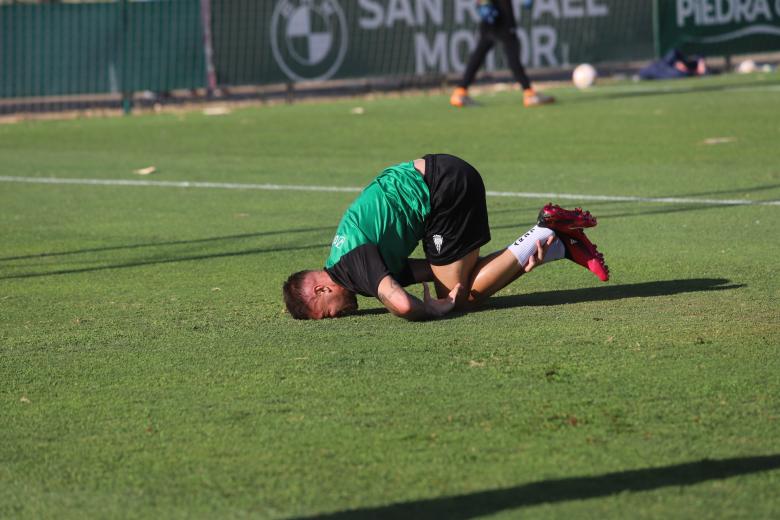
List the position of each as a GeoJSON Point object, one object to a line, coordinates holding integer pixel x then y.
{"type": "Point", "coordinates": [656, 29]}
{"type": "Point", "coordinates": [127, 97]}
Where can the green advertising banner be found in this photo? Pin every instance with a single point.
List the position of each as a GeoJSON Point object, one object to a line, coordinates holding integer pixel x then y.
{"type": "Point", "coordinates": [718, 27]}
{"type": "Point", "coordinates": [301, 40]}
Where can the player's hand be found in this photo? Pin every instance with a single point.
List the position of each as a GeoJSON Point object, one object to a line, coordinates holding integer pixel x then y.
{"type": "Point", "coordinates": [441, 306]}
{"type": "Point", "coordinates": [538, 257]}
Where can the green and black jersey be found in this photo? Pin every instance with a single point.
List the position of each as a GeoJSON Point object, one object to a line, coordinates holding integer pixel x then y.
{"type": "Point", "coordinates": [380, 230]}
{"type": "Point", "coordinates": [445, 208]}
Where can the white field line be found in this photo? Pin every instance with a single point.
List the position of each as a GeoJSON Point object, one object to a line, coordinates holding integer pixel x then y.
{"type": "Point", "coordinates": [350, 189]}
{"type": "Point", "coordinates": [628, 198]}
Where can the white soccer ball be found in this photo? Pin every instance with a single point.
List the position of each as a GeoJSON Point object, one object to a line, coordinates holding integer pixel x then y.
{"type": "Point", "coordinates": [747, 67]}
{"type": "Point", "coordinates": [584, 76]}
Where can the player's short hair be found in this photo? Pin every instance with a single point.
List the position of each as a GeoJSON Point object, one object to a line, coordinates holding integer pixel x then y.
{"type": "Point", "coordinates": [294, 298]}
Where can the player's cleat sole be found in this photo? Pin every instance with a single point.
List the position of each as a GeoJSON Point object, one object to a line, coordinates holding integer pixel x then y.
{"type": "Point", "coordinates": [537, 99]}
{"type": "Point", "coordinates": [559, 219]}
{"type": "Point", "coordinates": [582, 251]}
{"type": "Point", "coordinates": [460, 98]}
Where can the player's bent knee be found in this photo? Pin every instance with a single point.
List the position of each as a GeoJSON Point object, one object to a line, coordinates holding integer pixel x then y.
{"type": "Point", "coordinates": [446, 277]}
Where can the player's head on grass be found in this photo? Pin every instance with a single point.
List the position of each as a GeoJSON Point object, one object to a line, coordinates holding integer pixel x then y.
{"type": "Point", "coordinates": [312, 294]}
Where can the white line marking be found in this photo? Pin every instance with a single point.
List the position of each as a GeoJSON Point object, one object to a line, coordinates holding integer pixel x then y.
{"type": "Point", "coordinates": [628, 198]}
{"type": "Point", "coordinates": [350, 189]}
{"type": "Point", "coordinates": [174, 184]}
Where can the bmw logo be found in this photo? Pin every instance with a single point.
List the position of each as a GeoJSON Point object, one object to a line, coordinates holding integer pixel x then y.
{"type": "Point", "coordinates": [308, 38]}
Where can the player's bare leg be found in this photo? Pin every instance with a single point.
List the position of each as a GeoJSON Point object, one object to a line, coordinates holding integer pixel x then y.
{"type": "Point", "coordinates": [445, 277]}
{"type": "Point", "coordinates": [496, 271]}
{"type": "Point", "coordinates": [487, 275]}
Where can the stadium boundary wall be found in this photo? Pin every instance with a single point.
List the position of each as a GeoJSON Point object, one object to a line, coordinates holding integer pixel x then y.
{"type": "Point", "coordinates": [116, 48]}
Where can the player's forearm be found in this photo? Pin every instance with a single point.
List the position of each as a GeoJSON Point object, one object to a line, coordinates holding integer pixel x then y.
{"type": "Point", "coordinates": [415, 312]}
{"type": "Point", "coordinates": [402, 304]}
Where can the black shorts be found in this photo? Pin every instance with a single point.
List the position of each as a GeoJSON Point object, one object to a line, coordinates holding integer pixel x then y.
{"type": "Point", "coordinates": [458, 222]}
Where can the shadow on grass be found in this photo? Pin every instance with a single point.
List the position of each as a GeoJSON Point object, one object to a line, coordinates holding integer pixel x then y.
{"type": "Point", "coordinates": [660, 211]}
{"type": "Point", "coordinates": [587, 294]}
{"type": "Point", "coordinates": [370, 312]}
{"type": "Point", "coordinates": [602, 217]}
{"type": "Point", "coordinates": [493, 501]}
{"type": "Point", "coordinates": [669, 87]}
{"type": "Point", "coordinates": [667, 208]}
{"type": "Point", "coordinates": [731, 191]}
{"type": "Point", "coordinates": [609, 292]}
{"type": "Point", "coordinates": [169, 260]}
{"type": "Point", "coordinates": [167, 243]}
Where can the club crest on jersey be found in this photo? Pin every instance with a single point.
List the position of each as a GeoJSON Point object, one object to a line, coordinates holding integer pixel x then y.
{"type": "Point", "coordinates": [308, 38]}
{"type": "Point", "coordinates": [339, 240]}
{"type": "Point", "coordinates": [438, 240]}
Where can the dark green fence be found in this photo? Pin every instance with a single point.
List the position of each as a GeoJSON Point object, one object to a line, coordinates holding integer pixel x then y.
{"type": "Point", "coordinates": [721, 27]}
{"type": "Point", "coordinates": [58, 49]}
{"type": "Point", "coordinates": [110, 49]}
{"type": "Point", "coordinates": [92, 48]}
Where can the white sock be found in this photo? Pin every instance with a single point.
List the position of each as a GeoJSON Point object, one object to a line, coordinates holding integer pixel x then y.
{"type": "Point", "coordinates": [556, 251]}
{"type": "Point", "coordinates": [525, 246]}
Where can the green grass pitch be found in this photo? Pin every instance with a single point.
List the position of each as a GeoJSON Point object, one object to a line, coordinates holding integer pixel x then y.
{"type": "Point", "coordinates": [147, 369]}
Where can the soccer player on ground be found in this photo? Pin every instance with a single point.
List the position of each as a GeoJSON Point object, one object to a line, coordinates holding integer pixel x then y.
{"type": "Point", "coordinates": [439, 199]}
{"type": "Point", "coordinates": [498, 24]}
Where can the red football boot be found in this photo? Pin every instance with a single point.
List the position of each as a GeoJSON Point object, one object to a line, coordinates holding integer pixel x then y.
{"type": "Point", "coordinates": [582, 251]}
{"type": "Point", "coordinates": [565, 220]}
